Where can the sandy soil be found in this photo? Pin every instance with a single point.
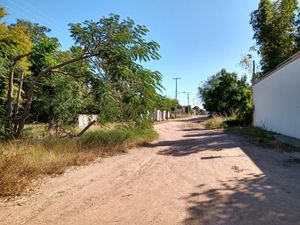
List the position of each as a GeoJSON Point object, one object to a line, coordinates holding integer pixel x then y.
{"type": "Point", "coordinates": [189, 176]}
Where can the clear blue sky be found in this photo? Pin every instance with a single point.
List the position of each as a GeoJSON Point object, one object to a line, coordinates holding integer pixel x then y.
{"type": "Point", "coordinates": [197, 37]}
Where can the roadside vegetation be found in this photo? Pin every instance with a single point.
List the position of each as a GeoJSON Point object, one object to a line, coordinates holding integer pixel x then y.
{"type": "Point", "coordinates": [254, 135]}
{"type": "Point", "coordinates": [228, 96]}
{"type": "Point", "coordinates": [24, 161]}
{"type": "Point", "coordinates": [275, 25]}
{"type": "Point", "coordinates": [217, 122]}
{"type": "Point", "coordinates": [43, 88]}
{"type": "Point", "coordinates": [102, 73]}
{"type": "Point", "coordinates": [263, 138]}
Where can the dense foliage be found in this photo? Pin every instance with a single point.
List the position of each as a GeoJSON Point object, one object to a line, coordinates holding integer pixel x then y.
{"type": "Point", "coordinates": [168, 104]}
{"type": "Point", "coordinates": [226, 94]}
{"type": "Point", "coordinates": [101, 73]}
{"type": "Point", "coordinates": [274, 24]}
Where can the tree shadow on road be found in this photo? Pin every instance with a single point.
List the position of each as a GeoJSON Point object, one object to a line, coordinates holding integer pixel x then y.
{"type": "Point", "coordinates": [206, 134]}
{"type": "Point", "coordinates": [191, 146]}
{"type": "Point", "coordinates": [271, 197]}
{"type": "Point", "coordinates": [253, 200]}
{"type": "Point", "coordinates": [197, 119]}
{"type": "Point", "coordinates": [195, 142]}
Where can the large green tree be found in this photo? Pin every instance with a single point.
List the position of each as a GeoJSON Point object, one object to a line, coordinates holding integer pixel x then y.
{"type": "Point", "coordinates": [123, 89]}
{"type": "Point", "coordinates": [272, 22]}
{"type": "Point", "coordinates": [15, 46]}
{"type": "Point", "coordinates": [103, 68]}
{"type": "Point", "coordinates": [226, 94]}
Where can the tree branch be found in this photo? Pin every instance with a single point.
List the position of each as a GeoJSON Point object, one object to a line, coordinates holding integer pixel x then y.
{"type": "Point", "coordinates": [49, 69]}
{"type": "Point", "coordinates": [34, 84]}
{"type": "Point", "coordinates": [66, 73]}
{"type": "Point", "coordinates": [21, 56]}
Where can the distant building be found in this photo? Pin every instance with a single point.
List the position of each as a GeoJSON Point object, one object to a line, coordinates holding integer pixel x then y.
{"type": "Point", "coordinates": [277, 99]}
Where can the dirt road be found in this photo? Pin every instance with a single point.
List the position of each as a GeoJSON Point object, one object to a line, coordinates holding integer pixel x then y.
{"type": "Point", "coordinates": [189, 176]}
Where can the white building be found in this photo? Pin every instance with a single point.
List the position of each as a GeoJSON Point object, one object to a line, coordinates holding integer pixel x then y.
{"type": "Point", "coordinates": [277, 99]}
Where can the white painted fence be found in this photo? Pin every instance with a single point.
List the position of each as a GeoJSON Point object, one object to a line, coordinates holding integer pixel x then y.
{"type": "Point", "coordinates": [159, 115]}
{"type": "Point", "coordinates": [84, 119]}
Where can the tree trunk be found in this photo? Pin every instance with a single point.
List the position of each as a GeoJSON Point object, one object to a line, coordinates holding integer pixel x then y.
{"type": "Point", "coordinates": [18, 101]}
{"type": "Point", "coordinates": [27, 107]}
{"type": "Point", "coordinates": [19, 94]}
{"type": "Point", "coordinates": [9, 104]}
{"type": "Point", "coordinates": [86, 128]}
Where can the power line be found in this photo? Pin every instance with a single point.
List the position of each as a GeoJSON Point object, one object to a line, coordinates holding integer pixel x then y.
{"type": "Point", "coordinates": [44, 15]}
{"type": "Point", "coordinates": [31, 15]}
{"type": "Point", "coordinates": [39, 11]}
{"type": "Point", "coordinates": [22, 10]}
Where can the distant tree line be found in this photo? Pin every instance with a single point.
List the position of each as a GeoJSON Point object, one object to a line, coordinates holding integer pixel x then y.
{"type": "Point", "coordinates": [101, 74]}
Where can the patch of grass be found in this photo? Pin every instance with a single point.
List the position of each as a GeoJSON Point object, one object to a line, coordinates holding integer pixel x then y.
{"type": "Point", "coordinates": [254, 134]}
{"type": "Point", "coordinates": [262, 137]}
{"type": "Point", "coordinates": [120, 136]}
{"type": "Point", "coordinates": [217, 122]}
{"type": "Point", "coordinates": [181, 115]}
{"type": "Point", "coordinates": [22, 162]}
{"type": "Point", "coordinates": [35, 131]}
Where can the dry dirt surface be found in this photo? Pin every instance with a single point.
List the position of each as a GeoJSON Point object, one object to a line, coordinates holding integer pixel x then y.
{"type": "Point", "coordinates": [191, 175]}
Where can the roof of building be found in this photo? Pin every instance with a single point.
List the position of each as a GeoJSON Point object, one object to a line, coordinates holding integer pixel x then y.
{"type": "Point", "coordinates": [280, 66]}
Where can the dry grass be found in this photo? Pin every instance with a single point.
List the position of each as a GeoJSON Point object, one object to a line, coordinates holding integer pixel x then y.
{"type": "Point", "coordinates": [255, 135]}
{"type": "Point", "coordinates": [263, 138]}
{"type": "Point", "coordinates": [182, 115]}
{"type": "Point", "coordinates": [216, 122]}
{"type": "Point", "coordinates": [35, 131]}
{"type": "Point", "coordinates": [22, 162]}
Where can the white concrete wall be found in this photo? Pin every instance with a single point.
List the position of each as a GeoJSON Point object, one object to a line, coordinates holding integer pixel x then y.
{"type": "Point", "coordinates": [84, 119]}
{"type": "Point", "coordinates": [277, 101]}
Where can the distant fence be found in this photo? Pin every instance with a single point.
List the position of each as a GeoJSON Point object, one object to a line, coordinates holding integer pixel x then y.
{"type": "Point", "coordinates": [161, 115]}
{"type": "Point", "coordinates": [85, 119]}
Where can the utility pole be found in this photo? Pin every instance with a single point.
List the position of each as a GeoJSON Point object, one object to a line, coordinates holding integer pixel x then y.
{"type": "Point", "coordinates": [188, 98]}
{"type": "Point", "coordinates": [176, 79]}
